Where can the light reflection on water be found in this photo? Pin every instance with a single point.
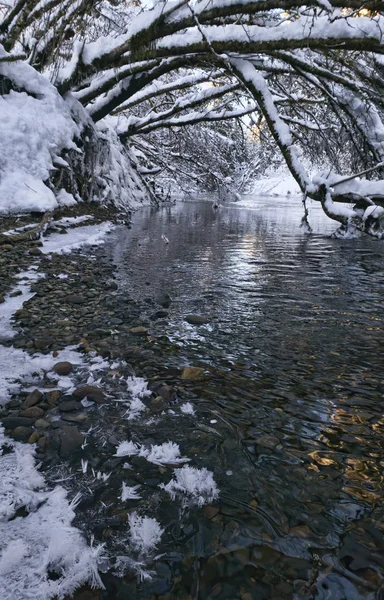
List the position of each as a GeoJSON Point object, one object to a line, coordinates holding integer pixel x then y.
{"type": "Point", "coordinates": [294, 344]}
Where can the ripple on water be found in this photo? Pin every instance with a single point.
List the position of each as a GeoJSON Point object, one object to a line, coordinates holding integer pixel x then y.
{"type": "Point", "coordinates": [294, 342]}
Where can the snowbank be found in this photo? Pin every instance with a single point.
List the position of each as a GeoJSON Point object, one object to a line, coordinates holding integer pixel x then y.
{"type": "Point", "coordinates": [35, 126]}
{"type": "Point", "coordinates": [279, 184]}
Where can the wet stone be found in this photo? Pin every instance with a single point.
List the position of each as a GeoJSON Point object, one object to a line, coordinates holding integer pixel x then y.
{"type": "Point", "coordinates": [13, 422]}
{"type": "Point", "coordinates": [93, 393]}
{"type": "Point", "coordinates": [42, 424]}
{"type": "Point", "coordinates": [139, 330]}
{"type": "Point", "coordinates": [33, 412]}
{"type": "Point", "coordinates": [196, 319]}
{"type": "Point", "coordinates": [193, 374]}
{"type": "Point", "coordinates": [69, 406]}
{"type": "Point", "coordinates": [21, 433]}
{"type": "Point", "coordinates": [75, 299]}
{"type": "Point", "coordinates": [69, 440]}
{"type": "Point", "coordinates": [33, 398]}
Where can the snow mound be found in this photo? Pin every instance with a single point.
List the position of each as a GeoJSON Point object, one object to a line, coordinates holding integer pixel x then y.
{"type": "Point", "coordinates": [43, 542]}
{"type": "Point", "coordinates": [36, 125]}
{"type": "Point", "coordinates": [195, 485]}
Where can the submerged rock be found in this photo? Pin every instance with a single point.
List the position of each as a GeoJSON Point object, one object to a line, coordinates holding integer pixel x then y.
{"type": "Point", "coordinates": [196, 319]}
{"type": "Point", "coordinates": [193, 374]}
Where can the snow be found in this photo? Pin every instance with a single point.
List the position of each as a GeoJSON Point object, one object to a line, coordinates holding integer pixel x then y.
{"type": "Point", "coordinates": [187, 409]}
{"type": "Point", "coordinates": [162, 454]}
{"type": "Point", "coordinates": [127, 449]}
{"type": "Point", "coordinates": [65, 198]}
{"type": "Point", "coordinates": [17, 364]}
{"type": "Point", "coordinates": [89, 235]}
{"type": "Point", "coordinates": [194, 485]}
{"type": "Point", "coordinates": [43, 541]}
{"type": "Point", "coordinates": [33, 130]}
{"type": "Point", "coordinates": [145, 533]}
{"type": "Point", "coordinates": [138, 388]}
{"type": "Point", "coordinates": [68, 221]}
{"type": "Point", "coordinates": [12, 304]}
{"type": "Point", "coordinates": [129, 492]}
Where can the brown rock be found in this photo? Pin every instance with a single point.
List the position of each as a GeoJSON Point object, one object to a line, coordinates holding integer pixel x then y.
{"type": "Point", "coordinates": [43, 342]}
{"type": "Point", "coordinates": [193, 374]}
{"type": "Point", "coordinates": [139, 331]}
{"type": "Point", "coordinates": [167, 392]}
{"type": "Point", "coordinates": [33, 398]}
{"type": "Point", "coordinates": [42, 424]}
{"type": "Point", "coordinates": [33, 412]}
{"type": "Point", "coordinates": [93, 393]}
{"type": "Point", "coordinates": [35, 252]}
{"type": "Point", "coordinates": [63, 368]}
{"type": "Point", "coordinates": [210, 511]}
{"type": "Point", "coordinates": [158, 404]}
{"type": "Point", "coordinates": [42, 444]}
{"type": "Point", "coordinates": [53, 397]}
{"type": "Point", "coordinates": [34, 437]}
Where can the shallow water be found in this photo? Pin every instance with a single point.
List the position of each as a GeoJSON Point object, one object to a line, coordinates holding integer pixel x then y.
{"type": "Point", "coordinates": [291, 418]}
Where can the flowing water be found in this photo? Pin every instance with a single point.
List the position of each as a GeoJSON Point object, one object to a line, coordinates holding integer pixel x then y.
{"type": "Point", "coordinates": [290, 419]}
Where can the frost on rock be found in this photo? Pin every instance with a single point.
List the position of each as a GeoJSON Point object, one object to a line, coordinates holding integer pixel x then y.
{"type": "Point", "coordinates": [187, 409]}
{"type": "Point", "coordinates": [144, 533]}
{"type": "Point", "coordinates": [195, 485]}
{"type": "Point", "coordinates": [44, 541]}
{"type": "Point", "coordinates": [162, 454]}
{"type": "Point", "coordinates": [138, 388]}
{"type": "Point", "coordinates": [129, 493]}
{"type": "Point", "coordinates": [127, 449]}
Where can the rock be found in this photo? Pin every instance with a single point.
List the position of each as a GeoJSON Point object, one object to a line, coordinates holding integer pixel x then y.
{"type": "Point", "coordinates": [167, 392]}
{"type": "Point", "coordinates": [42, 424]}
{"type": "Point", "coordinates": [210, 511]}
{"type": "Point", "coordinates": [69, 440]}
{"type": "Point", "coordinates": [34, 437]}
{"type": "Point", "coordinates": [21, 433]}
{"type": "Point", "coordinates": [196, 320]}
{"type": "Point", "coordinates": [42, 443]}
{"type": "Point", "coordinates": [63, 367]}
{"type": "Point", "coordinates": [15, 293]}
{"type": "Point", "coordinates": [159, 314]}
{"type": "Point", "coordinates": [33, 398]}
{"type": "Point", "coordinates": [33, 412]}
{"type": "Point", "coordinates": [93, 393]}
{"type": "Point", "coordinates": [193, 374]}
{"type": "Point", "coordinates": [163, 300]}
{"type": "Point", "coordinates": [2, 299]}
{"type": "Point", "coordinates": [139, 330]}
{"type": "Point", "coordinates": [75, 299]}
{"type": "Point", "coordinates": [78, 418]}
{"type": "Point", "coordinates": [112, 285]}
{"type": "Point", "coordinates": [43, 342]}
{"type": "Point", "coordinates": [158, 404]}
{"type": "Point", "coordinates": [70, 406]}
{"type": "Point", "coordinates": [13, 422]}
{"type": "Point", "coordinates": [35, 252]}
{"type": "Point", "coordinates": [53, 397]}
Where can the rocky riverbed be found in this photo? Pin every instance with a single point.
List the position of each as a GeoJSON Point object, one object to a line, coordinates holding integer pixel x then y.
{"type": "Point", "coordinates": [126, 385]}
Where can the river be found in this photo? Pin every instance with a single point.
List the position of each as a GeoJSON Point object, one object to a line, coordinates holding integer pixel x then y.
{"type": "Point", "coordinates": [291, 419]}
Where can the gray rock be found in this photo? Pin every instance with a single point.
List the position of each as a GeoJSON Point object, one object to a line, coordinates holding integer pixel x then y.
{"type": "Point", "coordinates": [69, 406]}
{"type": "Point", "coordinates": [196, 319]}
{"type": "Point", "coordinates": [77, 418]}
{"type": "Point", "coordinates": [69, 440]}
{"type": "Point", "coordinates": [75, 299]}
{"type": "Point", "coordinates": [164, 300]}
{"type": "Point", "coordinates": [13, 422]}
{"type": "Point", "coordinates": [21, 433]}
{"type": "Point", "coordinates": [43, 342]}
{"type": "Point", "coordinates": [41, 424]}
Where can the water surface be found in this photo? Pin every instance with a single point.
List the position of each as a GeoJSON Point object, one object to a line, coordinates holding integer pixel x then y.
{"type": "Point", "coordinates": [291, 418]}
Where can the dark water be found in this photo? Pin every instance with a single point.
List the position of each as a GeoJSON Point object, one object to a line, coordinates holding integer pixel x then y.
{"type": "Point", "coordinates": [294, 344]}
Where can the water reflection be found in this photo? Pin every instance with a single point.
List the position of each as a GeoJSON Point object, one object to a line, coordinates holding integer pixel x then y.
{"type": "Point", "coordinates": [294, 348]}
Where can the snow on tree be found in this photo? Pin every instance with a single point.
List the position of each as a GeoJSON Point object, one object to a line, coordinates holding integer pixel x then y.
{"type": "Point", "coordinates": [126, 79]}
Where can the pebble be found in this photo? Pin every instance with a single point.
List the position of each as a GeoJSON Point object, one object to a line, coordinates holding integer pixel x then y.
{"type": "Point", "coordinates": [93, 393]}
{"type": "Point", "coordinates": [33, 412]}
{"type": "Point", "coordinates": [22, 433]}
{"type": "Point", "coordinates": [139, 330]}
{"type": "Point", "coordinates": [196, 319]}
{"type": "Point", "coordinates": [42, 424]}
{"type": "Point", "coordinates": [63, 368]}
{"type": "Point", "coordinates": [33, 398]}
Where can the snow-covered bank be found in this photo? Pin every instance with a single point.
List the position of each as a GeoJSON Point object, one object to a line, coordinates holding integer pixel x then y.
{"type": "Point", "coordinates": [279, 184]}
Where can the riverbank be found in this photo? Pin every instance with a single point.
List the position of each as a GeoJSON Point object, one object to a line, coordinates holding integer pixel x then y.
{"type": "Point", "coordinates": [82, 376]}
